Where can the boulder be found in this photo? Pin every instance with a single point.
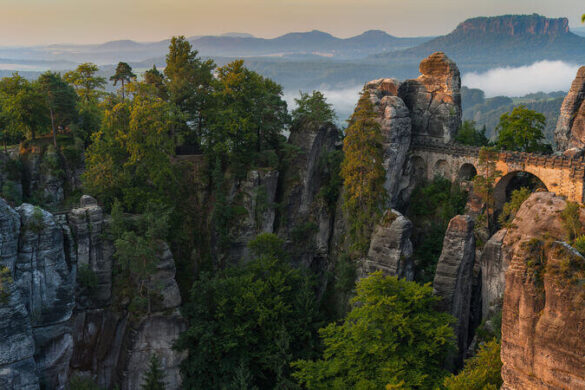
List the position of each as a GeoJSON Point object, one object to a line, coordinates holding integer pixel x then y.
{"type": "Point", "coordinates": [434, 99]}
{"type": "Point", "coordinates": [454, 280]}
{"type": "Point", "coordinates": [390, 247]}
{"type": "Point", "coordinates": [570, 130]}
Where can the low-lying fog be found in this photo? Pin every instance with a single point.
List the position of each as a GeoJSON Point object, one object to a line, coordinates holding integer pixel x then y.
{"type": "Point", "coordinates": [542, 76]}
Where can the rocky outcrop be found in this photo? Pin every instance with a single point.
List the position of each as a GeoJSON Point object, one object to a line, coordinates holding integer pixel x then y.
{"type": "Point", "coordinates": [390, 247]}
{"type": "Point", "coordinates": [256, 197]}
{"type": "Point", "coordinates": [570, 130]}
{"type": "Point", "coordinates": [434, 99]}
{"type": "Point", "coordinates": [538, 216]}
{"type": "Point", "coordinates": [93, 252]}
{"type": "Point", "coordinates": [543, 337]}
{"type": "Point", "coordinates": [395, 125]}
{"type": "Point", "coordinates": [514, 25]}
{"type": "Point", "coordinates": [454, 279]}
{"type": "Point", "coordinates": [306, 218]}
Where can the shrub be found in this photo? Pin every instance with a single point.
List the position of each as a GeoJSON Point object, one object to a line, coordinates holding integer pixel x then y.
{"type": "Point", "coordinates": [481, 372]}
{"type": "Point", "coordinates": [511, 208]}
{"type": "Point", "coordinates": [570, 219]}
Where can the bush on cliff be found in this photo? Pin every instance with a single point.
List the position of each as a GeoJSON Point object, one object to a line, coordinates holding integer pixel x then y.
{"type": "Point", "coordinates": [481, 372]}
{"type": "Point", "coordinates": [392, 338]}
{"type": "Point", "coordinates": [363, 174]}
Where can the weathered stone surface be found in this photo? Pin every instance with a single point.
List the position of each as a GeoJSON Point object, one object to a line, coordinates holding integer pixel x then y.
{"type": "Point", "coordinates": [305, 220]}
{"type": "Point", "coordinates": [395, 123]}
{"type": "Point", "coordinates": [256, 195]}
{"type": "Point", "coordinates": [390, 247]}
{"type": "Point", "coordinates": [543, 337]}
{"type": "Point", "coordinates": [87, 224]}
{"type": "Point", "coordinates": [155, 335]}
{"type": "Point", "coordinates": [570, 130]}
{"type": "Point", "coordinates": [493, 270]}
{"type": "Point", "coordinates": [434, 99]}
{"type": "Point", "coordinates": [454, 279]}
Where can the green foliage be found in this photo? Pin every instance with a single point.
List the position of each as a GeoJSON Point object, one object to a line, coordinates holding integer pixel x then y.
{"type": "Point", "coordinates": [37, 222]}
{"type": "Point", "coordinates": [123, 75]}
{"type": "Point", "coordinates": [511, 208]}
{"type": "Point", "coordinates": [467, 134]}
{"type": "Point", "coordinates": [432, 205]}
{"type": "Point", "coordinates": [249, 322]}
{"type": "Point", "coordinates": [579, 244]}
{"type": "Point", "coordinates": [153, 379]}
{"type": "Point", "coordinates": [570, 218]}
{"type": "Point", "coordinates": [392, 336]}
{"type": "Point", "coordinates": [363, 174]}
{"type": "Point", "coordinates": [535, 260]}
{"type": "Point", "coordinates": [5, 280]}
{"type": "Point", "coordinates": [484, 183]}
{"type": "Point", "coordinates": [87, 279]}
{"type": "Point", "coordinates": [329, 192]}
{"type": "Point", "coordinates": [61, 101]}
{"type": "Point", "coordinates": [87, 85]}
{"type": "Point", "coordinates": [130, 157]}
{"type": "Point", "coordinates": [481, 372]}
{"type": "Point", "coordinates": [78, 382]}
{"type": "Point", "coordinates": [312, 110]}
{"type": "Point", "coordinates": [10, 192]}
{"type": "Point", "coordinates": [521, 130]}
{"type": "Point", "coordinates": [249, 117]}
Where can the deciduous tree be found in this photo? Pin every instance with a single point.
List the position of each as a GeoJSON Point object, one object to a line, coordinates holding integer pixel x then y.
{"type": "Point", "coordinates": [521, 130]}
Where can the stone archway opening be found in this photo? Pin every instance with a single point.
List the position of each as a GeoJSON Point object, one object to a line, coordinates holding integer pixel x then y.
{"type": "Point", "coordinates": [466, 173]}
{"type": "Point", "coordinates": [441, 169]}
{"type": "Point", "coordinates": [418, 168]}
{"type": "Point", "coordinates": [514, 181]}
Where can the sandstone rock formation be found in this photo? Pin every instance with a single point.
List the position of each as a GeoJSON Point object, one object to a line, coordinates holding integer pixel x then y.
{"type": "Point", "coordinates": [390, 247]}
{"type": "Point", "coordinates": [395, 122]}
{"type": "Point", "coordinates": [49, 329]}
{"type": "Point", "coordinates": [434, 99]}
{"type": "Point", "coordinates": [543, 337]}
{"type": "Point", "coordinates": [256, 195]}
{"type": "Point", "coordinates": [454, 279]}
{"type": "Point", "coordinates": [538, 216]}
{"type": "Point", "coordinates": [570, 130]}
{"type": "Point", "coordinates": [305, 218]}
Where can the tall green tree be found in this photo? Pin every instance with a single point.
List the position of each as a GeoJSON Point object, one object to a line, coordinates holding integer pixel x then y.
{"type": "Point", "coordinates": [247, 323]}
{"type": "Point", "coordinates": [469, 135]}
{"type": "Point", "coordinates": [85, 81]}
{"type": "Point", "coordinates": [23, 107]}
{"type": "Point", "coordinates": [363, 173]}
{"type": "Point", "coordinates": [393, 338]}
{"type": "Point", "coordinates": [153, 380]}
{"type": "Point", "coordinates": [61, 101]}
{"type": "Point", "coordinates": [312, 109]}
{"type": "Point", "coordinates": [484, 182]}
{"type": "Point", "coordinates": [156, 79]}
{"type": "Point", "coordinates": [521, 130]}
{"type": "Point", "coordinates": [250, 117]}
{"type": "Point", "coordinates": [123, 75]}
{"type": "Point", "coordinates": [190, 85]}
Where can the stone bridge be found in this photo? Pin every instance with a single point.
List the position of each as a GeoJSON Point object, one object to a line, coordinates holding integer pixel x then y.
{"type": "Point", "coordinates": [562, 175]}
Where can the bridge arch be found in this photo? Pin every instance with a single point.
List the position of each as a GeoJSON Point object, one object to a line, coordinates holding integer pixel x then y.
{"type": "Point", "coordinates": [466, 172]}
{"type": "Point", "coordinates": [442, 169]}
{"type": "Point", "coordinates": [514, 180]}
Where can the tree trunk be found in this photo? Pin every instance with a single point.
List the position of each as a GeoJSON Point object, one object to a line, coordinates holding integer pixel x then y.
{"type": "Point", "coordinates": [53, 128]}
{"type": "Point", "coordinates": [123, 96]}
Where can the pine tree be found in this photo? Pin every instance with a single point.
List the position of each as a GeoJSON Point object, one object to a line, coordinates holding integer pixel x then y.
{"type": "Point", "coordinates": [153, 379]}
{"type": "Point", "coordinates": [363, 173]}
{"type": "Point", "coordinates": [124, 75]}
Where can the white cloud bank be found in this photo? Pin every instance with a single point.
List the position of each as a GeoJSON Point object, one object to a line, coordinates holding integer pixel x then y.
{"type": "Point", "coordinates": [545, 76]}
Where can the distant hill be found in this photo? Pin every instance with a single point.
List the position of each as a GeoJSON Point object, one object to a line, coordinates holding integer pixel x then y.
{"type": "Point", "coordinates": [315, 42]}
{"type": "Point", "coordinates": [487, 42]}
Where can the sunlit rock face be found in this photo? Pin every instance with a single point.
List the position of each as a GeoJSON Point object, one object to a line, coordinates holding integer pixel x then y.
{"type": "Point", "coordinates": [570, 130]}
{"type": "Point", "coordinates": [434, 99]}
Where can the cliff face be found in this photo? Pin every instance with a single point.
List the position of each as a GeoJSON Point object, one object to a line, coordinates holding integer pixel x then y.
{"type": "Point", "coordinates": [51, 327]}
{"type": "Point", "coordinates": [542, 298]}
{"type": "Point", "coordinates": [570, 130]}
{"type": "Point", "coordinates": [434, 98]}
{"type": "Point", "coordinates": [543, 338]}
{"type": "Point", "coordinates": [454, 280]}
{"type": "Point", "coordinates": [514, 25]}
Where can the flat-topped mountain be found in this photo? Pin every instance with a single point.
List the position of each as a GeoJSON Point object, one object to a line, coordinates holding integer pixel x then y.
{"type": "Point", "coordinates": [485, 42]}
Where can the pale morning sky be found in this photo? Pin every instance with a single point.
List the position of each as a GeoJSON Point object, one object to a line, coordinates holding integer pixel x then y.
{"type": "Point", "coordinates": [28, 22]}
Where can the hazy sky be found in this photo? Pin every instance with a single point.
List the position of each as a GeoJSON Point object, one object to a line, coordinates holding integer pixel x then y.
{"type": "Point", "coordinates": [26, 22]}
